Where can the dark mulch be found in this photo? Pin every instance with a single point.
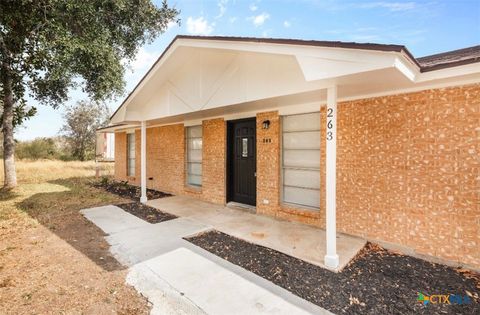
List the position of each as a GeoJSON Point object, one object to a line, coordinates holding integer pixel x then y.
{"type": "Point", "coordinates": [149, 214]}
{"type": "Point", "coordinates": [126, 190]}
{"type": "Point", "coordinates": [377, 281]}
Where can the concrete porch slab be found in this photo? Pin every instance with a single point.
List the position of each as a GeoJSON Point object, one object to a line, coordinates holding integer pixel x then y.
{"type": "Point", "coordinates": [295, 239]}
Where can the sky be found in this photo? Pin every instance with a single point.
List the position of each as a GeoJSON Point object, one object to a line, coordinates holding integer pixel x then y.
{"type": "Point", "coordinates": [424, 27]}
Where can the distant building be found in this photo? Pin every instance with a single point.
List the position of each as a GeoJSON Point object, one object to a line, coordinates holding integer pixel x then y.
{"type": "Point", "coordinates": [105, 150]}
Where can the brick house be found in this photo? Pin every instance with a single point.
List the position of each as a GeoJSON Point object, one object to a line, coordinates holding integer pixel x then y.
{"type": "Point", "coordinates": [363, 139]}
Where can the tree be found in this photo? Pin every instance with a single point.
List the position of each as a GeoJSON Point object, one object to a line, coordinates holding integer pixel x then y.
{"type": "Point", "coordinates": [80, 128]}
{"type": "Point", "coordinates": [48, 47]}
{"type": "Point", "coordinates": [40, 148]}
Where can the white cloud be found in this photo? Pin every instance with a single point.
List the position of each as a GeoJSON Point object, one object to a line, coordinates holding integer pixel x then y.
{"type": "Point", "coordinates": [253, 7]}
{"type": "Point", "coordinates": [391, 6]}
{"type": "Point", "coordinates": [143, 60]}
{"type": "Point", "coordinates": [171, 25]}
{"type": "Point", "coordinates": [287, 24]}
{"type": "Point", "coordinates": [222, 6]}
{"type": "Point", "coordinates": [232, 19]}
{"type": "Point", "coordinates": [258, 20]}
{"type": "Point", "coordinates": [199, 26]}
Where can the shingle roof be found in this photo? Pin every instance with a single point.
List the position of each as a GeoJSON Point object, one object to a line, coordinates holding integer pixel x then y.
{"type": "Point", "coordinates": [428, 63]}
{"type": "Point", "coordinates": [304, 42]}
{"type": "Point", "coordinates": [450, 58]}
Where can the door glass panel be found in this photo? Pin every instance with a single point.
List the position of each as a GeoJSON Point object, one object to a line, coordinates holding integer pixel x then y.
{"type": "Point", "coordinates": [244, 147]}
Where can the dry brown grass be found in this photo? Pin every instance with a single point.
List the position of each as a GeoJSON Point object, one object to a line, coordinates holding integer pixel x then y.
{"type": "Point", "coordinates": [44, 170]}
{"type": "Point", "coordinates": [53, 260]}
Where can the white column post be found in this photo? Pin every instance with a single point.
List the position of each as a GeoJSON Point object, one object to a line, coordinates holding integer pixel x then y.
{"type": "Point", "coordinates": [143, 161]}
{"type": "Point", "coordinates": [331, 258]}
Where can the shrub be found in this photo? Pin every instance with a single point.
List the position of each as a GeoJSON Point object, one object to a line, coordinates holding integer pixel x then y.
{"type": "Point", "coordinates": [42, 148]}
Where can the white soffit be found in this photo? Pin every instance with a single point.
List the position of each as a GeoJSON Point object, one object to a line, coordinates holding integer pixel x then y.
{"type": "Point", "coordinates": [314, 68]}
{"type": "Point", "coordinates": [195, 75]}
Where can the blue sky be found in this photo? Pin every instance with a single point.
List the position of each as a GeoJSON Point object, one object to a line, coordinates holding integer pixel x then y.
{"type": "Point", "coordinates": [425, 27]}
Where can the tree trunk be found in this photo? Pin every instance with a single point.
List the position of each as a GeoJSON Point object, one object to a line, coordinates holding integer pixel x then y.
{"type": "Point", "coordinates": [7, 129]}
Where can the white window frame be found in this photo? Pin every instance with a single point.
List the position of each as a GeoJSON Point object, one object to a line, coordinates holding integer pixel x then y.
{"type": "Point", "coordinates": [189, 161]}
{"type": "Point", "coordinates": [283, 168]}
{"type": "Point", "coordinates": [131, 159]}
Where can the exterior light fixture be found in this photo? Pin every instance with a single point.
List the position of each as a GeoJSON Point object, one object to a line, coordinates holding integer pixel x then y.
{"type": "Point", "coordinates": [266, 124]}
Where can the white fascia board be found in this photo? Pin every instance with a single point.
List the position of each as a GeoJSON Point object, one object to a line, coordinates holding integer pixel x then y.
{"type": "Point", "coordinates": [406, 68]}
{"type": "Point", "coordinates": [334, 53]}
{"type": "Point", "coordinates": [469, 69]}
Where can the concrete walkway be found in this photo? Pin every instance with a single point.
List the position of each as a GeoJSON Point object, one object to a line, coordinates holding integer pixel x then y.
{"type": "Point", "coordinates": [295, 239]}
{"type": "Point", "coordinates": [180, 278]}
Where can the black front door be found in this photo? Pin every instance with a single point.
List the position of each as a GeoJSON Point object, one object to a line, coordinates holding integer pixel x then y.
{"type": "Point", "coordinates": [242, 163]}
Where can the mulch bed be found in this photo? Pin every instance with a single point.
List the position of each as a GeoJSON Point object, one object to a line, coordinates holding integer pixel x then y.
{"type": "Point", "coordinates": [149, 214]}
{"type": "Point", "coordinates": [126, 190]}
{"type": "Point", "coordinates": [377, 281]}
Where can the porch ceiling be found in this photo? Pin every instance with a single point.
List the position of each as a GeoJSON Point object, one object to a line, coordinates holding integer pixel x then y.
{"type": "Point", "coordinates": [194, 76]}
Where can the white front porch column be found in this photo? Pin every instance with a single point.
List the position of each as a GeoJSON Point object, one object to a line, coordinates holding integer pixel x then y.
{"type": "Point", "coordinates": [331, 258]}
{"type": "Point", "coordinates": [143, 162]}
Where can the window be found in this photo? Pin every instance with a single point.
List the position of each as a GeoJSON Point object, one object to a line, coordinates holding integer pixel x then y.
{"type": "Point", "coordinates": [194, 155]}
{"type": "Point", "coordinates": [301, 159]}
{"type": "Point", "coordinates": [130, 154]}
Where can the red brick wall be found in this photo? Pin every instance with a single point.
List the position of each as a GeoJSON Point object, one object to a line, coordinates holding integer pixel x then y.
{"type": "Point", "coordinates": [213, 156]}
{"type": "Point", "coordinates": [268, 164]}
{"type": "Point", "coordinates": [166, 160]}
{"type": "Point", "coordinates": [408, 172]}
{"type": "Point", "coordinates": [408, 169]}
{"type": "Point", "coordinates": [120, 171]}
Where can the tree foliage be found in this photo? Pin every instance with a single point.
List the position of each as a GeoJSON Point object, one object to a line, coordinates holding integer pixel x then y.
{"type": "Point", "coordinates": [49, 44]}
{"type": "Point", "coordinates": [48, 47]}
{"type": "Point", "coordinates": [81, 123]}
{"type": "Point", "coordinates": [40, 148]}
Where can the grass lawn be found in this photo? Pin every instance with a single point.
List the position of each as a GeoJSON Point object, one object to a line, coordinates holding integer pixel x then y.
{"type": "Point", "coordinates": [52, 260]}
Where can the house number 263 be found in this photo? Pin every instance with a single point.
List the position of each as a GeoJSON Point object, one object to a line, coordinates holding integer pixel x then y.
{"type": "Point", "coordinates": [329, 124]}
